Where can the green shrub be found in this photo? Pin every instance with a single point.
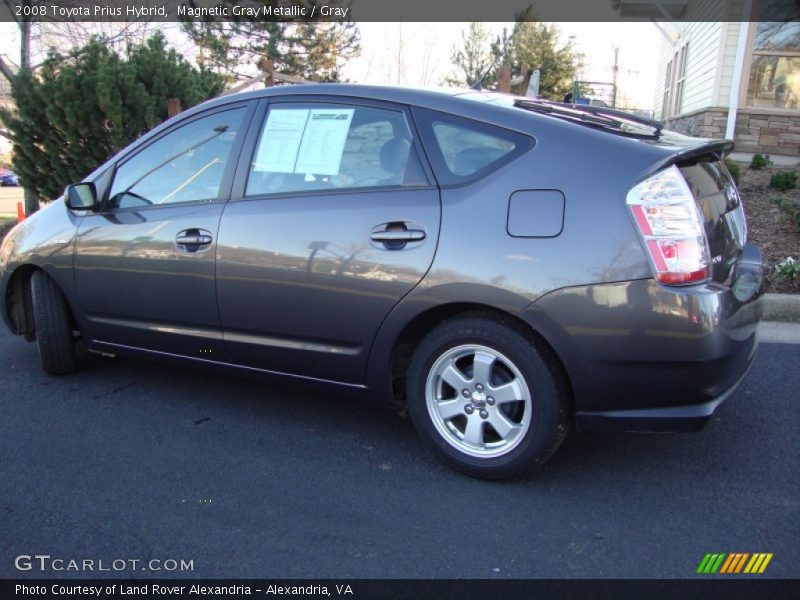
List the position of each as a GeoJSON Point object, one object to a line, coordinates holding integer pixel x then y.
{"type": "Point", "coordinates": [75, 112]}
{"type": "Point", "coordinates": [791, 208]}
{"type": "Point", "coordinates": [784, 180]}
{"type": "Point", "coordinates": [759, 162]}
{"type": "Point", "coordinates": [733, 169]}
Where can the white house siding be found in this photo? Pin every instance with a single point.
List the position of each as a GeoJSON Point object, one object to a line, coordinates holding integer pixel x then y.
{"type": "Point", "coordinates": [712, 51]}
{"type": "Point", "coordinates": [666, 50]}
{"type": "Point", "coordinates": [709, 76]}
{"type": "Point", "coordinates": [701, 64]}
{"type": "Point", "coordinates": [730, 39]}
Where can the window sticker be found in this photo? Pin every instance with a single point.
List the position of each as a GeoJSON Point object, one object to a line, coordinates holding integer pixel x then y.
{"type": "Point", "coordinates": [323, 140]}
{"type": "Point", "coordinates": [280, 140]}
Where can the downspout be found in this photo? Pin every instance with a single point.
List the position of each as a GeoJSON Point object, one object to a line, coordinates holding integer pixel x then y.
{"type": "Point", "coordinates": [738, 67]}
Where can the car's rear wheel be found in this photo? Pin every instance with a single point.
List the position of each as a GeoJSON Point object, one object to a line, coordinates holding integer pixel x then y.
{"type": "Point", "coordinates": [490, 399]}
{"type": "Point", "coordinates": [53, 324]}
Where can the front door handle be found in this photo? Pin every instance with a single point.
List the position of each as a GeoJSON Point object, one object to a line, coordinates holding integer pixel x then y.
{"type": "Point", "coordinates": [402, 235]}
{"type": "Point", "coordinates": [193, 240]}
{"type": "Point", "coordinates": [197, 240]}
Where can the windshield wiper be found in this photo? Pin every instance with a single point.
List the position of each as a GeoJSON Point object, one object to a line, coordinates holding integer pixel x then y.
{"type": "Point", "coordinates": [601, 117]}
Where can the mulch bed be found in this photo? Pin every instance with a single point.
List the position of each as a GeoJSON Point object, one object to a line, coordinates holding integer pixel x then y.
{"type": "Point", "coordinates": [768, 227]}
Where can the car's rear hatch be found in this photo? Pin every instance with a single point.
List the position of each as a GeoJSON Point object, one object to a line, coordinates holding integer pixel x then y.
{"type": "Point", "coordinates": [700, 161]}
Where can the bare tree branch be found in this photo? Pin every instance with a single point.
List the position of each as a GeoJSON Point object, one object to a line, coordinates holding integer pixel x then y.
{"type": "Point", "coordinates": [7, 71]}
{"type": "Point", "coordinates": [73, 36]}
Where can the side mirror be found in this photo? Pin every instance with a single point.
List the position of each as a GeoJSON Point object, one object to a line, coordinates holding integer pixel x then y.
{"type": "Point", "coordinates": [81, 196]}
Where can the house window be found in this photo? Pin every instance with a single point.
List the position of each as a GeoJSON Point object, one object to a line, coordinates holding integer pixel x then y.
{"type": "Point", "coordinates": [680, 78]}
{"type": "Point", "coordinates": [774, 80]}
{"type": "Point", "coordinates": [674, 79]}
{"type": "Point", "coordinates": [667, 88]}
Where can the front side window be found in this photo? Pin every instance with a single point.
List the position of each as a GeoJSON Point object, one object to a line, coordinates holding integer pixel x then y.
{"type": "Point", "coordinates": [312, 147]}
{"type": "Point", "coordinates": [186, 165]}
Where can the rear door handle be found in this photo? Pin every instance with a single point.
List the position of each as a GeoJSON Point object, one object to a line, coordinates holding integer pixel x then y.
{"type": "Point", "coordinates": [403, 235]}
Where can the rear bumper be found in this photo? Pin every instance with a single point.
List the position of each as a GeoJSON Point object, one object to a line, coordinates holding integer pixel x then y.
{"type": "Point", "coordinates": [645, 357]}
{"type": "Point", "coordinates": [679, 418]}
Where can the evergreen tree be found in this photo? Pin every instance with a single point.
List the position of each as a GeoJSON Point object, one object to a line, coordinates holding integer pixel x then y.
{"type": "Point", "coordinates": [75, 113]}
{"type": "Point", "coordinates": [502, 54]}
{"type": "Point", "coordinates": [473, 58]}
{"type": "Point", "coordinates": [305, 49]}
{"type": "Point", "coordinates": [536, 45]}
{"type": "Point", "coordinates": [25, 32]}
{"type": "Point", "coordinates": [530, 43]}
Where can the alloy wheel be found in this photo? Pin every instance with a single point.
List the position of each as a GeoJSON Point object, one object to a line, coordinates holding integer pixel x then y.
{"type": "Point", "coordinates": [478, 401]}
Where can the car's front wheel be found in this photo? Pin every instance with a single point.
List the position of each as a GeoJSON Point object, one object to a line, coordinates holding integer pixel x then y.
{"type": "Point", "coordinates": [53, 324]}
{"type": "Point", "coordinates": [490, 399]}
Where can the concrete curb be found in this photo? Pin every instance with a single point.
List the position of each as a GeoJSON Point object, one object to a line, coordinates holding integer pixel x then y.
{"type": "Point", "coordinates": [776, 332]}
{"type": "Point", "coordinates": [782, 307]}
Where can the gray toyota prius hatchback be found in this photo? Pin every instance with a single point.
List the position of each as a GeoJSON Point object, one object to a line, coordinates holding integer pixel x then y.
{"type": "Point", "coordinates": [500, 267]}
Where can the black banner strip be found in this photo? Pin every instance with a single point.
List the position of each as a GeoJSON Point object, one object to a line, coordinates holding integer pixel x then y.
{"type": "Point", "coordinates": [396, 10]}
{"type": "Point", "coordinates": [732, 588]}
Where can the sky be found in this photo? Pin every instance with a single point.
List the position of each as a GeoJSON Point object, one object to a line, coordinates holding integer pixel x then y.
{"type": "Point", "coordinates": [418, 54]}
{"type": "Point", "coordinates": [427, 47]}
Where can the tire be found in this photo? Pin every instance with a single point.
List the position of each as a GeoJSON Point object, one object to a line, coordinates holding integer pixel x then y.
{"type": "Point", "coordinates": [527, 420]}
{"type": "Point", "coordinates": [53, 324]}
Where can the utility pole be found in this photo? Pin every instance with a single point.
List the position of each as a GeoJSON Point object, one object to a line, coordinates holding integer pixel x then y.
{"type": "Point", "coordinates": [400, 63]}
{"type": "Point", "coordinates": [614, 73]}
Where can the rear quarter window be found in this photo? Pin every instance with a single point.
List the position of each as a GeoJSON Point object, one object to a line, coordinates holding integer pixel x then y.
{"type": "Point", "coordinates": [463, 150]}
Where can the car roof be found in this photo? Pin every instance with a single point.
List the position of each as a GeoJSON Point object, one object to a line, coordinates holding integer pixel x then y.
{"type": "Point", "coordinates": [447, 100]}
{"type": "Point", "coordinates": [488, 106]}
{"type": "Point", "coordinates": [493, 107]}
{"type": "Point", "coordinates": [460, 101]}
{"type": "Point", "coordinates": [482, 105]}
{"type": "Point", "coordinates": [405, 95]}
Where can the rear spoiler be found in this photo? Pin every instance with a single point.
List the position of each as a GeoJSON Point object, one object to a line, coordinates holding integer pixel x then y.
{"type": "Point", "coordinates": [708, 150]}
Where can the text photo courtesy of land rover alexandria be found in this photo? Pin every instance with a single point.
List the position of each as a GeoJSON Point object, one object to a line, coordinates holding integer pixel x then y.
{"type": "Point", "coordinates": [501, 267]}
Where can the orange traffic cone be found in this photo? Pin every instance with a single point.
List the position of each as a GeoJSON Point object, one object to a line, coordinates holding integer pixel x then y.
{"type": "Point", "coordinates": [20, 213]}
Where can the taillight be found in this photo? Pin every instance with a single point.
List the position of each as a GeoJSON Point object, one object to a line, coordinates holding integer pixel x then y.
{"type": "Point", "coordinates": [668, 219]}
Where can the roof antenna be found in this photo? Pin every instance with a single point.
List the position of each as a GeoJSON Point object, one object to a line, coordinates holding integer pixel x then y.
{"type": "Point", "coordinates": [477, 85]}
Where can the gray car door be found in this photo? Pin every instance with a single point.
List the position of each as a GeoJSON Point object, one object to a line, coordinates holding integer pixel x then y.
{"type": "Point", "coordinates": [333, 219]}
{"type": "Point", "coordinates": [144, 263]}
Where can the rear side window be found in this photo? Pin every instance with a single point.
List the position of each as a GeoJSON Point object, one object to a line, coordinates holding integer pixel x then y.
{"type": "Point", "coordinates": [315, 146]}
{"type": "Point", "coordinates": [463, 150]}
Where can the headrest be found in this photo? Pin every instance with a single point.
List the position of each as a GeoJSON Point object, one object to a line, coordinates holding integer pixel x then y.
{"type": "Point", "coordinates": [394, 155]}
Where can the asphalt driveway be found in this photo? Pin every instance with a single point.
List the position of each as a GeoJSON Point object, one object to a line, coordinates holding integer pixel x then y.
{"type": "Point", "coordinates": [131, 459]}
